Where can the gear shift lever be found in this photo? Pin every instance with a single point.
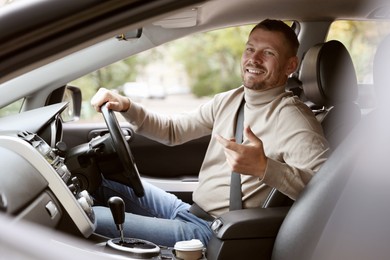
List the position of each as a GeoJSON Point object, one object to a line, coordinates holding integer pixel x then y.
{"type": "Point", "coordinates": [117, 207]}
{"type": "Point", "coordinates": [133, 247]}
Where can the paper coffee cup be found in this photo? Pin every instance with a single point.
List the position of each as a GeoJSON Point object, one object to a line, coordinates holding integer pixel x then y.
{"type": "Point", "coordinates": [189, 249]}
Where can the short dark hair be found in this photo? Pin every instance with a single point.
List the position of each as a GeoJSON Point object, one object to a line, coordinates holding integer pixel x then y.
{"type": "Point", "coordinates": [280, 26]}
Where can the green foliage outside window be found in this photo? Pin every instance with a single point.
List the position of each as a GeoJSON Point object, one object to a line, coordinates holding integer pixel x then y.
{"type": "Point", "coordinates": [213, 59]}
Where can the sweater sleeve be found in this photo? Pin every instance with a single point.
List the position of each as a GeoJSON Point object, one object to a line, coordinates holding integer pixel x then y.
{"type": "Point", "coordinates": [170, 130]}
{"type": "Point", "coordinates": [302, 149]}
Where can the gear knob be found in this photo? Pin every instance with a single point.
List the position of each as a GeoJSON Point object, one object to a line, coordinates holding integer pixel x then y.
{"type": "Point", "coordinates": [117, 207]}
{"type": "Point", "coordinates": [137, 248]}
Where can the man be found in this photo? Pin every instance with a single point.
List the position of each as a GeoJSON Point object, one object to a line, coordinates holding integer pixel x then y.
{"type": "Point", "coordinates": [283, 144]}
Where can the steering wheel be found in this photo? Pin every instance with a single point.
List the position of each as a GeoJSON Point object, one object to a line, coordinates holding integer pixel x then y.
{"type": "Point", "coordinates": [122, 148]}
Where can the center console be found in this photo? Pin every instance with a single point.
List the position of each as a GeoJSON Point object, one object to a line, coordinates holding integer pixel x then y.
{"type": "Point", "coordinates": [45, 192]}
{"type": "Point", "coordinates": [57, 162]}
{"type": "Point", "coordinates": [36, 185]}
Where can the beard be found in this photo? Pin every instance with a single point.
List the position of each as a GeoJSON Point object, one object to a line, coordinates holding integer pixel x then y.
{"type": "Point", "coordinates": [261, 81]}
{"type": "Point", "coordinates": [252, 82]}
{"type": "Point", "coordinates": [255, 86]}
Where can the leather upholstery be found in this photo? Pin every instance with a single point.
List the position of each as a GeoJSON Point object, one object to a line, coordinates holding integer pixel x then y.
{"type": "Point", "coordinates": [329, 81]}
{"type": "Point", "coordinates": [328, 75]}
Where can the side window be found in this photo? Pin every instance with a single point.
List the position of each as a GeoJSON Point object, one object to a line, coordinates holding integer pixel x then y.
{"type": "Point", "coordinates": [172, 78]}
{"type": "Point", "coordinates": [361, 39]}
{"type": "Point", "coordinates": [11, 109]}
{"type": "Point", "coordinates": [175, 77]}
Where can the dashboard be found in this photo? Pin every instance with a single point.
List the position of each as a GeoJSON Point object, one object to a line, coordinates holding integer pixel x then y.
{"type": "Point", "coordinates": [35, 184]}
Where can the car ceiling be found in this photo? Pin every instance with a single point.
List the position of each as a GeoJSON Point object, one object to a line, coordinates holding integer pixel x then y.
{"type": "Point", "coordinates": [159, 26]}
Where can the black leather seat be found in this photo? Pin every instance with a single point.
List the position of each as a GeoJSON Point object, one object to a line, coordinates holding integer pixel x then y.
{"type": "Point", "coordinates": [329, 84]}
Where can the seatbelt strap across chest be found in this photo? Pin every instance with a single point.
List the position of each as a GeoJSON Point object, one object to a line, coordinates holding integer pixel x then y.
{"type": "Point", "coordinates": [235, 183]}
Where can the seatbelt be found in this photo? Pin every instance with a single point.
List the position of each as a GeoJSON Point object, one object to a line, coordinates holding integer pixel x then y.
{"type": "Point", "coordinates": [235, 182]}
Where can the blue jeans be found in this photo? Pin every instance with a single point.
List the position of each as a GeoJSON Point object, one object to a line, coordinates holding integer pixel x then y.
{"type": "Point", "coordinates": [158, 217]}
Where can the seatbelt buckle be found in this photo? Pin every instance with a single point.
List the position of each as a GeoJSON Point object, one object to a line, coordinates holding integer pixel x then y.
{"type": "Point", "coordinates": [216, 225]}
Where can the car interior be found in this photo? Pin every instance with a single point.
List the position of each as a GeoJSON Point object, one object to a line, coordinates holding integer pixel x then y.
{"type": "Point", "coordinates": [51, 165]}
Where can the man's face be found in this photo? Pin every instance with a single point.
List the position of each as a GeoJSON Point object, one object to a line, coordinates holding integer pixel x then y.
{"type": "Point", "coordinates": [266, 61]}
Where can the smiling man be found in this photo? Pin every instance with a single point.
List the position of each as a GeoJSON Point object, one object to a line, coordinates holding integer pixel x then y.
{"type": "Point", "coordinates": [268, 60]}
{"type": "Point", "coordinates": [283, 145]}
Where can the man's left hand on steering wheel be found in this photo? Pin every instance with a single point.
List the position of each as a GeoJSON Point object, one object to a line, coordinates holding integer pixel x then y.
{"type": "Point", "coordinates": [122, 148]}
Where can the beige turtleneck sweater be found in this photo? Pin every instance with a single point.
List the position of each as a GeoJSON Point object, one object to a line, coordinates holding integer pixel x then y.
{"type": "Point", "coordinates": [292, 138]}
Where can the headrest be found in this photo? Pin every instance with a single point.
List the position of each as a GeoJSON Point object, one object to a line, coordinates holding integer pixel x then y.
{"type": "Point", "coordinates": [382, 65]}
{"type": "Point", "coordinates": [327, 74]}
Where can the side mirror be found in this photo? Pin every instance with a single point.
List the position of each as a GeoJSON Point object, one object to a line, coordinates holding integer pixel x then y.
{"type": "Point", "coordinates": [72, 95]}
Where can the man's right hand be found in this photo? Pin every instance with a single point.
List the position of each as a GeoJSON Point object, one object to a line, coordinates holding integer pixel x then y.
{"type": "Point", "coordinates": [114, 101]}
{"type": "Point", "coordinates": [249, 158]}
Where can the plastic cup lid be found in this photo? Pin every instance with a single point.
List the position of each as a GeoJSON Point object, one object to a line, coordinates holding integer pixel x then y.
{"type": "Point", "coordinates": [189, 245]}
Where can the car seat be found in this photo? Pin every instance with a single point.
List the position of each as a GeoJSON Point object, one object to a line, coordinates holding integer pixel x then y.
{"type": "Point", "coordinates": [329, 83]}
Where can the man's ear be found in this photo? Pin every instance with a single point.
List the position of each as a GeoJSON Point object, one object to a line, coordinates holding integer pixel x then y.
{"type": "Point", "coordinates": [292, 65]}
